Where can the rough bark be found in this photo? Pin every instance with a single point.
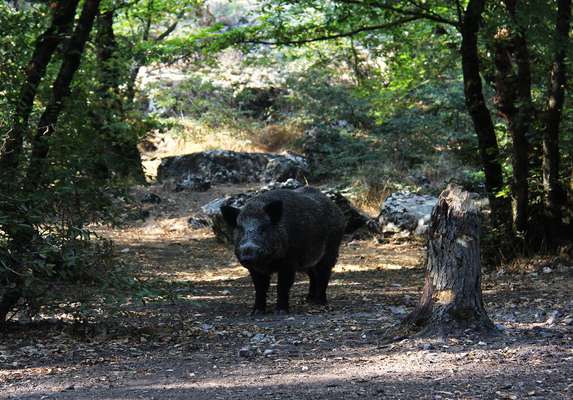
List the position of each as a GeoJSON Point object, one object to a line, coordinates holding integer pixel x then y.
{"type": "Point", "coordinates": [556, 96]}
{"type": "Point", "coordinates": [122, 157]}
{"type": "Point", "coordinates": [451, 300]}
{"type": "Point", "coordinates": [513, 99]}
{"type": "Point", "coordinates": [60, 90]}
{"type": "Point", "coordinates": [481, 117]}
{"type": "Point", "coordinates": [519, 134]}
{"type": "Point", "coordinates": [106, 48]}
{"type": "Point", "coordinates": [46, 45]}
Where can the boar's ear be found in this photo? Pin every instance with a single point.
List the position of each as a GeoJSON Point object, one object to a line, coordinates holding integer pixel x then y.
{"type": "Point", "coordinates": [274, 210]}
{"type": "Point", "coordinates": [230, 215]}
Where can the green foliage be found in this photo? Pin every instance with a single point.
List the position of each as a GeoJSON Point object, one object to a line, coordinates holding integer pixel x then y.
{"type": "Point", "coordinates": [47, 245]}
{"type": "Point", "coordinates": [15, 50]}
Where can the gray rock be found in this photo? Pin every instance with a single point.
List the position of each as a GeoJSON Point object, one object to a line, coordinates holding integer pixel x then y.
{"type": "Point", "coordinates": [223, 166]}
{"type": "Point", "coordinates": [407, 211]}
{"type": "Point", "coordinates": [288, 166]}
{"type": "Point", "coordinates": [193, 183]}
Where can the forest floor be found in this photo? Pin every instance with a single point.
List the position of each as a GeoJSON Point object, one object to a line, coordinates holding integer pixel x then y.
{"type": "Point", "coordinates": [202, 343]}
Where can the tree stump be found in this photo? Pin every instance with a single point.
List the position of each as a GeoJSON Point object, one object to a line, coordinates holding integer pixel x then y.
{"type": "Point", "coordinates": [451, 300]}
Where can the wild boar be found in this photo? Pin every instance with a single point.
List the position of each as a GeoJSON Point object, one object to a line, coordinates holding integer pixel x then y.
{"type": "Point", "coordinates": [286, 231]}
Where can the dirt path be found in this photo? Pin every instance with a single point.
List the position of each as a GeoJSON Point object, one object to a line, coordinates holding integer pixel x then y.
{"type": "Point", "coordinates": [203, 345]}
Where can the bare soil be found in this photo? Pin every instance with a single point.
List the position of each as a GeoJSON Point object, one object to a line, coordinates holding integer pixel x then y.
{"type": "Point", "coordinates": [201, 342]}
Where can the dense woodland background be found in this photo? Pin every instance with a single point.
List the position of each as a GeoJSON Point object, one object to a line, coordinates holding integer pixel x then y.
{"type": "Point", "coordinates": [400, 94]}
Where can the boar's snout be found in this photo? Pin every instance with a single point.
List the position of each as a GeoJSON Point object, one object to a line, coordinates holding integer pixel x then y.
{"type": "Point", "coordinates": [249, 253]}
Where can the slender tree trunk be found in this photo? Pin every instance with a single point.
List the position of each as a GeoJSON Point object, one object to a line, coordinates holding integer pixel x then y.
{"type": "Point", "coordinates": [60, 91]}
{"type": "Point", "coordinates": [520, 133]}
{"type": "Point", "coordinates": [45, 46]}
{"type": "Point", "coordinates": [139, 60]}
{"type": "Point", "coordinates": [513, 87]}
{"type": "Point", "coordinates": [106, 46]}
{"type": "Point", "coordinates": [451, 300]}
{"type": "Point", "coordinates": [550, 165]}
{"type": "Point", "coordinates": [481, 117]}
{"type": "Point", "coordinates": [122, 156]}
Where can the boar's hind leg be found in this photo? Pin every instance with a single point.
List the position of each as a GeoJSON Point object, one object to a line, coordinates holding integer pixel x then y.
{"type": "Point", "coordinates": [322, 272]}
{"type": "Point", "coordinates": [312, 285]}
{"type": "Point", "coordinates": [262, 283]}
{"type": "Point", "coordinates": [285, 281]}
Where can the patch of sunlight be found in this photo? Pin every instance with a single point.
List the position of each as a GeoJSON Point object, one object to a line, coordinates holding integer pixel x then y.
{"type": "Point", "coordinates": [211, 297]}
{"type": "Point", "coordinates": [220, 274]}
{"type": "Point", "coordinates": [344, 267]}
{"type": "Point", "coordinates": [31, 371]}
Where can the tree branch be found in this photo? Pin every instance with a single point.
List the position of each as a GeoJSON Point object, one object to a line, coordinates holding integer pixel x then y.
{"type": "Point", "coordinates": [170, 28]}
{"type": "Point", "coordinates": [421, 13]}
{"type": "Point", "coordinates": [337, 35]}
{"type": "Point", "coordinates": [460, 11]}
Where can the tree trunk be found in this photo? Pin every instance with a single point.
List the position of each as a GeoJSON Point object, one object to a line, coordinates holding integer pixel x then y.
{"type": "Point", "coordinates": [519, 135]}
{"type": "Point", "coordinates": [481, 117]}
{"type": "Point", "coordinates": [513, 99]}
{"type": "Point", "coordinates": [60, 91]}
{"type": "Point", "coordinates": [45, 46]}
{"type": "Point", "coordinates": [121, 156]}
{"type": "Point", "coordinates": [451, 299]}
{"type": "Point", "coordinates": [106, 47]}
{"type": "Point", "coordinates": [554, 195]}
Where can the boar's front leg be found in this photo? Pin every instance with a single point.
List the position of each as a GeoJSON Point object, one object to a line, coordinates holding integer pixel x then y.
{"type": "Point", "coordinates": [284, 283]}
{"type": "Point", "coordinates": [261, 282]}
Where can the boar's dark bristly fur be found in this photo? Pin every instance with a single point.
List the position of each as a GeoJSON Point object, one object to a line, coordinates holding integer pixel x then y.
{"type": "Point", "coordinates": [285, 231]}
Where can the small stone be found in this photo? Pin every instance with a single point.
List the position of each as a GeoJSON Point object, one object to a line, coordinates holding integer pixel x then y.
{"type": "Point", "coordinates": [151, 198]}
{"type": "Point", "coordinates": [500, 327]}
{"type": "Point", "coordinates": [552, 317]}
{"type": "Point", "coordinates": [400, 310]}
{"type": "Point", "coordinates": [245, 352]}
{"type": "Point", "coordinates": [197, 222]}
{"type": "Point", "coordinates": [268, 352]}
{"type": "Point", "coordinates": [193, 184]}
{"type": "Point", "coordinates": [304, 368]}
